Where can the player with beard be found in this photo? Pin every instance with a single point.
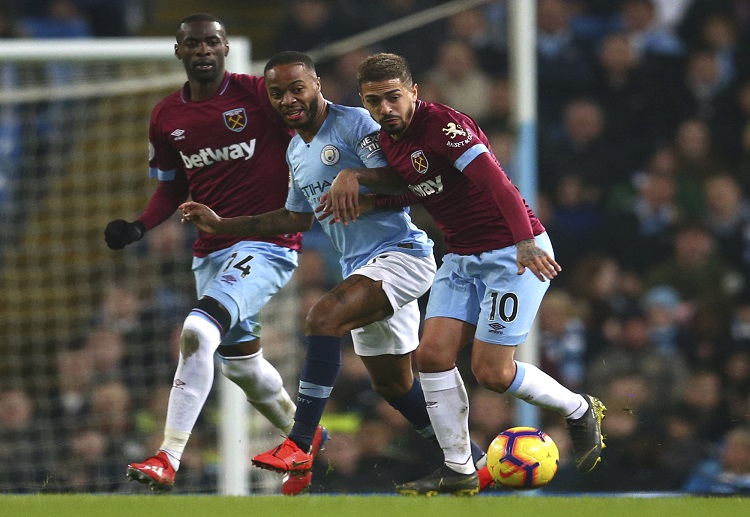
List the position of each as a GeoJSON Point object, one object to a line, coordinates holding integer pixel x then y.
{"type": "Point", "coordinates": [218, 141]}
{"type": "Point", "coordinates": [498, 265]}
{"type": "Point", "coordinates": [386, 262]}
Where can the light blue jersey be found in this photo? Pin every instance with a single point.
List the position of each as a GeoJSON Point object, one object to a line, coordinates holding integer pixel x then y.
{"type": "Point", "coordinates": [347, 139]}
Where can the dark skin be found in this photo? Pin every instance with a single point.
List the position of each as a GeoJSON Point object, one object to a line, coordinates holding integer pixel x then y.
{"type": "Point", "coordinates": [357, 301]}
{"type": "Point", "coordinates": [202, 48]}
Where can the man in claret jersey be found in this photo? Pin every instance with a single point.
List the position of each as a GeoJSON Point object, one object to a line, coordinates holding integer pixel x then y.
{"type": "Point", "coordinates": [218, 141]}
{"type": "Point", "coordinates": [386, 263]}
{"type": "Point", "coordinates": [498, 265]}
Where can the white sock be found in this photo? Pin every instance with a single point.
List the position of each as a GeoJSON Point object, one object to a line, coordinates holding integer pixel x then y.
{"type": "Point", "coordinates": [448, 407]}
{"type": "Point", "coordinates": [263, 387]}
{"type": "Point", "coordinates": [192, 383]}
{"type": "Point", "coordinates": [536, 387]}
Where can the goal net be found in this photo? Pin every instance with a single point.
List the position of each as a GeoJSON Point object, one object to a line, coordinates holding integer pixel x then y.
{"type": "Point", "coordinates": [88, 336]}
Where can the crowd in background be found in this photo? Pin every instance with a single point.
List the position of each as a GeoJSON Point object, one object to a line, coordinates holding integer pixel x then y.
{"type": "Point", "coordinates": [644, 175]}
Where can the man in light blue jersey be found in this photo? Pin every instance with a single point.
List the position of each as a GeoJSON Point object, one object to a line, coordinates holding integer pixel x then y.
{"type": "Point", "coordinates": [387, 264]}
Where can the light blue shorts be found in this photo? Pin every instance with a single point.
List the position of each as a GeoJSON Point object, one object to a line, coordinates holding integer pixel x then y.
{"type": "Point", "coordinates": [243, 278]}
{"type": "Point", "coordinates": [484, 290]}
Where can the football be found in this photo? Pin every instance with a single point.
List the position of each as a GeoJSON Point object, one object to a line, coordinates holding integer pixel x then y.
{"type": "Point", "coordinates": [523, 458]}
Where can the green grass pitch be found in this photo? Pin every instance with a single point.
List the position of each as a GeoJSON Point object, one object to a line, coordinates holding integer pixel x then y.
{"type": "Point", "coordinates": [367, 506]}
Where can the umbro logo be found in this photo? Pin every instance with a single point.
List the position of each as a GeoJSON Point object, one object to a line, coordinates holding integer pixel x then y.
{"type": "Point", "coordinates": [178, 134]}
{"type": "Point", "coordinates": [496, 328]}
{"type": "Point", "coordinates": [229, 279]}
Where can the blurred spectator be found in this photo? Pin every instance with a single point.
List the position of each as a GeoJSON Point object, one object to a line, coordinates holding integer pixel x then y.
{"type": "Point", "coordinates": [634, 439]}
{"type": "Point", "coordinates": [703, 92]}
{"type": "Point", "coordinates": [624, 89]}
{"type": "Point", "coordinates": [719, 34]}
{"type": "Point", "coordinates": [113, 18]}
{"type": "Point", "coordinates": [9, 27]}
{"type": "Point", "coordinates": [310, 23]}
{"type": "Point", "coordinates": [344, 74]}
{"type": "Point", "coordinates": [735, 376]}
{"type": "Point", "coordinates": [666, 318]}
{"type": "Point", "coordinates": [473, 27]}
{"type": "Point", "coordinates": [70, 398]}
{"type": "Point", "coordinates": [728, 472]}
{"type": "Point", "coordinates": [456, 72]}
{"type": "Point", "coordinates": [648, 37]}
{"type": "Point", "coordinates": [106, 348]}
{"type": "Point", "coordinates": [575, 218]}
{"type": "Point", "coordinates": [605, 290]}
{"type": "Point", "coordinates": [55, 19]}
{"type": "Point", "coordinates": [633, 353]}
{"type": "Point", "coordinates": [89, 465]}
{"type": "Point", "coordinates": [583, 150]}
{"type": "Point", "coordinates": [682, 449]}
{"type": "Point", "coordinates": [702, 396]}
{"type": "Point", "coordinates": [648, 222]}
{"type": "Point", "coordinates": [563, 68]}
{"type": "Point", "coordinates": [498, 116]}
{"type": "Point", "coordinates": [695, 269]}
{"type": "Point", "coordinates": [728, 219]}
{"type": "Point", "coordinates": [25, 444]}
{"type": "Point", "coordinates": [562, 340]}
{"type": "Point", "coordinates": [416, 45]}
{"type": "Point", "coordinates": [730, 133]}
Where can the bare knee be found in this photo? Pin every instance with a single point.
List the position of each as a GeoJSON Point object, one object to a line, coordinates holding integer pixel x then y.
{"type": "Point", "coordinates": [431, 357]}
{"type": "Point", "coordinates": [392, 387]}
{"type": "Point", "coordinates": [320, 323]}
{"type": "Point", "coordinates": [495, 377]}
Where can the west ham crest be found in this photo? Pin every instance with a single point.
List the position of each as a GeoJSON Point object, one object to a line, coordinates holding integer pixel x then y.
{"type": "Point", "coordinates": [419, 161]}
{"type": "Point", "coordinates": [235, 119]}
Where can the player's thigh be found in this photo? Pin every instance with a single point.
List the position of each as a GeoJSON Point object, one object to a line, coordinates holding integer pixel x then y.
{"type": "Point", "coordinates": [373, 292]}
{"type": "Point", "coordinates": [509, 302]}
{"type": "Point", "coordinates": [354, 302]}
{"type": "Point", "coordinates": [404, 277]}
{"type": "Point", "coordinates": [243, 278]}
{"type": "Point", "coordinates": [396, 334]}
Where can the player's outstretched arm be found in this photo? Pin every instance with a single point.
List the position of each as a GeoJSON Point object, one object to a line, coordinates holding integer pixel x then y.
{"type": "Point", "coordinates": [271, 223]}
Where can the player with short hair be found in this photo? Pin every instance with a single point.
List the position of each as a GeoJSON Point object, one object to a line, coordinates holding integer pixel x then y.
{"type": "Point", "coordinates": [493, 276]}
{"type": "Point", "coordinates": [219, 141]}
{"type": "Point", "coordinates": [386, 261]}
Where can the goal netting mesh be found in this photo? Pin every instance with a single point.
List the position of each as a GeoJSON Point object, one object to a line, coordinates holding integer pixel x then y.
{"type": "Point", "coordinates": [88, 336]}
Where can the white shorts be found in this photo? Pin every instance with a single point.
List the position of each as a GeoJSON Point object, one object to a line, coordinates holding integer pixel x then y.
{"type": "Point", "coordinates": [404, 278]}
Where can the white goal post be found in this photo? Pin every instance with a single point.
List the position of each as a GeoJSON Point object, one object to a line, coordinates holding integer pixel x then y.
{"type": "Point", "coordinates": [53, 301]}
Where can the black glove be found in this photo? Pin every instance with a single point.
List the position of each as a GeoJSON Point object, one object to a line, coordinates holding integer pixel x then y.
{"type": "Point", "coordinates": [120, 233]}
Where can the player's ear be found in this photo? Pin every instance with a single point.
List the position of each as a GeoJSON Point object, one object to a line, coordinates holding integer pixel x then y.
{"type": "Point", "coordinates": [226, 48]}
{"type": "Point", "coordinates": [176, 50]}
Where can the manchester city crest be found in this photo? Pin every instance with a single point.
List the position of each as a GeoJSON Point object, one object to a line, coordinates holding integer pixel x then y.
{"type": "Point", "coordinates": [330, 155]}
